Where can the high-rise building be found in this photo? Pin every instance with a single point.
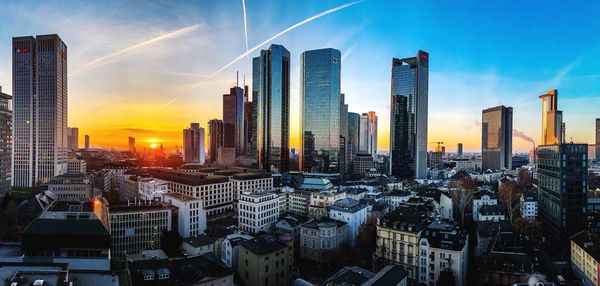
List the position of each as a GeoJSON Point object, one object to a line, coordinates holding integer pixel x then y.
{"type": "Point", "coordinates": [215, 138]}
{"type": "Point", "coordinates": [344, 165]}
{"type": "Point", "coordinates": [193, 144]}
{"type": "Point", "coordinates": [597, 145]}
{"type": "Point", "coordinates": [40, 109]}
{"type": "Point", "coordinates": [233, 120]}
{"type": "Point", "coordinates": [368, 134]}
{"type": "Point", "coordinates": [5, 142]}
{"type": "Point", "coordinates": [248, 123]}
{"type": "Point", "coordinates": [255, 93]}
{"type": "Point", "coordinates": [496, 138]}
{"type": "Point", "coordinates": [353, 133]}
{"type": "Point", "coordinates": [562, 193]}
{"type": "Point", "coordinates": [87, 142]}
{"type": "Point", "coordinates": [320, 110]}
{"type": "Point", "coordinates": [408, 116]}
{"type": "Point", "coordinates": [131, 145]}
{"type": "Point", "coordinates": [273, 109]}
{"type": "Point", "coordinates": [552, 125]}
{"type": "Point", "coordinates": [459, 152]}
{"type": "Point", "coordinates": [73, 138]}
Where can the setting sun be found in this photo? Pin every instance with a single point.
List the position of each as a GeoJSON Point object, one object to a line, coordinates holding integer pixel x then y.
{"type": "Point", "coordinates": [153, 145]}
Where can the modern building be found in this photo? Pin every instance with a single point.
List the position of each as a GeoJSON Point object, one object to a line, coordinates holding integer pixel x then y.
{"type": "Point", "coordinates": [72, 187]}
{"type": "Point", "coordinates": [443, 248]}
{"type": "Point", "coordinates": [322, 239]}
{"type": "Point", "coordinates": [597, 145]}
{"type": "Point", "coordinates": [257, 211]}
{"type": "Point", "coordinates": [344, 154]}
{"type": "Point", "coordinates": [233, 120]}
{"type": "Point", "coordinates": [193, 144]}
{"type": "Point", "coordinates": [361, 162]}
{"type": "Point", "coordinates": [294, 201]}
{"type": "Point", "coordinates": [149, 188]}
{"type": "Point", "coordinates": [266, 261]}
{"type": "Point", "coordinates": [552, 119]}
{"type": "Point", "coordinates": [39, 109]}
{"type": "Point", "coordinates": [87, 142]}
{"type": "Point", "coordinates": [215, 138]}
{"type": "Point", "coordinates": [273, 109]}
{"type": "Point", "coordinates": [368, 134]}
{"type": "Point", "coordinates": [191, 214]}
{"type": "Point", "coordinates": [585, 257]}
{"type": "Point", "coordinates": [73, 138]}
{"type": "Point", "coordinates": [562, 191]}
{"type": "Point", "coordinates": [250, 182]}
{"type": "Point", "coordinates": [131, 144]}
{"type": "Point", "coordinates": [459, 152]}
{"type": "Point", "coordinates": [408, 116]}
{"type": "Point", "coordinates": [76, 166]}
{"type": "Point", "coordinates": [6, 136]}
{"type": "Point", "coordinates": [256, 71]}
{"type": "Point", "coordinates": [496, 138]}
{"type": "Point", "coordinates": [320, 110]}
{"type": "Point", "coordinates": [351, 212]}
{"type": "Point", "coordinates": [352, 141]}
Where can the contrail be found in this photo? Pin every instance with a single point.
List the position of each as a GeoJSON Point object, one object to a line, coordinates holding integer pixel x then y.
{"type": "Point", "coordinates": [245, 28]}
{"type": "Point", "coordinates": [307, 20]}
{"type": "Point", "coordinates": [162, 37]}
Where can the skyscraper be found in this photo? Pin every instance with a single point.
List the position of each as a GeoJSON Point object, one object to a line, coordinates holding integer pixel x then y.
{"type": "Point", "coordinates": [320, 107]}
{"type": "Point", "coordinates": [233, 120]}
{"type": "Point", "coordinates": [552, 125]}
{"type": "Point", "coordinates": [87, 141]}
{"type": "Point", "coordinates": [131, 145]}
{"type": "Point", "coordinates": [215, 138]}
{"type": "Point", "coordinates": [273, 109]}
{"type": "Point", "coordinates": [248, 123]}
{"type": "Point", "coordinates": [73, 138]}
{"type": "Point", "coordinates": [193, 144]}
{"type": "Point", "coordinates": [459, 152]}
{"type": "Point", "coordinates": [597, 146]}
{"type": "Point", "coordinates": [255, 93]}
{"type": "Point", "coordinates": [5, 142]}
{"type": "Point", "coordinates": [40, 109]}
{"type": "Point", "coordinates": [496, 138]}
{"type": "Point", "coordinates": [408, 116]}
{"type": "Point", "coordinates": [353, 133]}
{"type": "Point", "coordinates": [368, 134]}
{"type": "Point", "coordinates": [344, 154]}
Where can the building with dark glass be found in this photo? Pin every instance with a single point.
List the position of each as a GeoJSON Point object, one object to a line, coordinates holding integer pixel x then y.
{"type": "Point", "coordinates": [496, 138]}
{"type": "Point", "coordinates": [73, 138]}
{"type": "Point", "coordinates": [233, 120]}
{"type": "Point", "coordinates": [408, 116]}
{"type": "Point", "coordinates": [215, 138]}
{"type": "Point", "coordinates": [5, 142]}
{"type": "Point", "coordinates": [273, 109]}
{"type": "Point", "coordinates": [563, 186]}
{"type": "Point", "coordinates": [353, 133]}
{"type": "Point", "coordinates": [193, 144]}
{"type": "Point", "coordinates": [597, 145]}
{"type": "Point", "coordinates": [255, 92]}
{"type": "Point", "coordinates": [40, 109]}
{"type": "Point", "coordinates": [344, 161]}
{"type": "Point", "coordinates": [320, 108]}
{"type": "Point", "coordinates": [368, 134]}
{"type": "Point", "coordinates": [459, 151]}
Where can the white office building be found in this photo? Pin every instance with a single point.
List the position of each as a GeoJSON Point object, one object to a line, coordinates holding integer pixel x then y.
{"type": "Point", "coordinates": [71, 187]}
{"type": "Point", "coordinates": [250, 182]}
{"type": "Point", "coordinates": [76, 166]}
{"type": "Point", "coordinates": [257, 211]}
{"type": "Point", "coordinates": [191, 215]}
{"type": "Point", "coordinates": [151, 188]}
{"type": "Point", "coordinates": [353, 213]}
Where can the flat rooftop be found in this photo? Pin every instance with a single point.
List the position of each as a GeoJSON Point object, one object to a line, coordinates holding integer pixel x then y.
{"type": "Point", "coordinates": [181, 197]}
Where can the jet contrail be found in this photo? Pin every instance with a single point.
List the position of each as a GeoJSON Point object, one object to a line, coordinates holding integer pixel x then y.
{"type": "Point", "coordinates": [307, 20]}
{"type": "Point", "coordinates": [162, 37]}
{"type": "Point", "coordinates": [245, 28]}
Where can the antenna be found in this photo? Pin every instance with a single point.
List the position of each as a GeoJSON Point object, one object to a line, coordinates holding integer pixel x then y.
{"type": "Point", "coordinates": [237, 78]}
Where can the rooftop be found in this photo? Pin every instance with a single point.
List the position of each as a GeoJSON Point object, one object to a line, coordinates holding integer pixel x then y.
{"type": "Point", "coordinates": [316, 223]}
{"type": "Point", "coordinates": [191, 179]}
{"type": "Point", "coordinates": [349, 276]}
{"type": "Point", "coordinates": [181, 197]}
{"type": "Point", "coordinates": [200, 240]}
{"type": "Point", "coordinates": [444, 234]}
{"type": "Point", "coordinates": [590, 243]}
{"type": "Point", "coordinates": [491, 210]}
{"type": "Point", "coordinates": [347, 205]}
{"type": "Point", "coordinates": [153, 254]}
{"type": "Point", "coordinates": [251, 176]}
{"type": "Point", "coordinates": [263, 245]}
{"type": "Point", "coordinates": [406, 218]}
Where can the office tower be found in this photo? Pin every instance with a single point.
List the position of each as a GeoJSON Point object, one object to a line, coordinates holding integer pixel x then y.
{"type": "Point", "coordinates": [248, 123]}
{"type": "Point", "coordinates": [87, 142]}
{"type": "Point", "coordinates": [40, 109]}
{"type": "Point", "coordinates": [193, 144]}
{"type": "Point", "coordinates": [233, 120]}
{"type": "Point", "coordinates": [343, 154]}
{"type": "Point", "coordinates": [368, 134]}
{"type": "Point", "coordinates": [459, 152]}
{"type": "Point", "coordinates": [73, 138]}
{"type": "Point", "coordinates": [551, 119]}
{"type": "Point", "coordinates": [562, 193]}
{"type": "Point", "coordinates": [408, 116]}
{"type": "Point", "coordinates": [496, 138]}
{"type": "Point", "coordinates": [273, 109]}
{"type": "Point", "coordinates": [255, 93]}
{"type": "Point", "coordinates": [5, 142]}
{"type": "Point", "coordinates": [353, 133]}
{"type": "Point", "coordinates": [320, 107]}
{"type": "Point", "coordinates": [597, 140]}
{"type": "Point", "coordinates": [215, 138]}
{"type": "Point", "coordinates": [131, 145]}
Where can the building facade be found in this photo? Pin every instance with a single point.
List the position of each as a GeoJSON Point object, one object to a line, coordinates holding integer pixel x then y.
{"type": "Point", "coordinates": [215, 138]}
{"type": "Point", "coordinates": [191, 214]}
{"type": "Point", "coordinates": [585, 257]}
{"type": "Point", "coordinates": [233, 120]}
{"type": "Point", "coordinates": [351, 212]}
{"type": "Point", "coordinates": [40, 109]}
{"type": "Point", "coordinates": [250, 182]}
{"type": "Point", "coordinates": [71, 187]}
{"type": "Point", "coordinates": [552, 121]}
{"type": "Point", "coordinates": [76, 166]}
{"type": "Point", "coordinates": [265, 261]}
{"type": "Point", "coordinates": [322, 239]}
{"type": "Point", "coordinates": [408, 120]}
{"type": "Point", "coordinates": [73, 138]}
{"type": "Point", "coordinates": [257, 211]}
{"type": "Point", "coordinates": [368, 134]}
{"type": "Point", "coordinates": [193, 144]}
{"type": "Point", "coordinates": [6, 124]}
{"type": "Point", "coordinates": [496, 138]}
{"type": "Point", "coordinates": [443, 247]}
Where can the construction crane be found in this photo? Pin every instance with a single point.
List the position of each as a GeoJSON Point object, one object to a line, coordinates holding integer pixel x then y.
{"type": "Point", "coordinates": [438, 147]}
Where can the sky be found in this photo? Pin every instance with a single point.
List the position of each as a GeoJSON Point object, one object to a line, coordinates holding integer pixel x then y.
{"type": "Point", "coordinates": [147, 69]}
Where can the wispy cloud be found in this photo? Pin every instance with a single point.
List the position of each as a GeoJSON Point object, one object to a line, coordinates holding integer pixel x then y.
{"type": "Point", "coordinates": [305, 21]}
{"type": "Point", "coordinates": [557, 79]}
{"type": "Point", "coordinates": [125, 51]}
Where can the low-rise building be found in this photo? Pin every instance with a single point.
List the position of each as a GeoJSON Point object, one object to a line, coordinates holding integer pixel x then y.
{"type": "Point", "coordinates": [321, 201]}
{"type": "Point", "coordinates": [72, 187]}
{"type": "Point", "coordinates": [191, 219]}
{"type": "Point", "coordinates": [353, 213]}
{"type": "Point", "coordinates": [482, 198]}
{"type": "Point", "coordinates": [585, 257]}
{"type": "Point", "coordinates": [266, 260]}
{"type": "Point", "coordinates": [290, 225]}
{"type": "Point", "coordinates": [76, 166]}
{"type": "Point", "coordinates": [443, 247]}
{"type": "Point", "coordinates": [529, 205]}
{"type": "Point", "coordinates": [257, 211]}
{"type": "Point", "coordinates": [294, 201]}
{"type": "Point", "coordinates": [199, 245]}
{"type": "Point", "coordinates": [322, 239]}
{"type": "Point", "coordinates": [491, 213]}
{"type": "Point", "coordinates": [230, 248]}
{"type": "Point", "coordinates": [395, 198]}
{"type": "Point", "coordinates": [151, 189]}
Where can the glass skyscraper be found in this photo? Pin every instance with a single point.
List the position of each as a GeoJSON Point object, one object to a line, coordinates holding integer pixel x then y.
{"type": "Point", "coordinates": [215, 138]}
{"type": "Point", "coordinates": [496, 138]}
{"type": "Point", "coordinates": [320, 108]}
{"type": "Point", "coordinates": [408, 116]}
{"type": "Point", "coordinates": [193, 144]}
{"type": "Point", "coordinates": [40, 109]}
{"type": "Point", "coordinates": [353, 133]}
{"type": "Point", "coordinates": [233, 120]}
{"type": "Point", "coordinates": [368, 134]}
{"type": "Point", "coordinates": [273, 109]}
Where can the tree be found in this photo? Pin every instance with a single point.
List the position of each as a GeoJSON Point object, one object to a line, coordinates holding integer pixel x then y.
{"type": "Point", "coordinates": [510, 197]}
{"type": "Point", "coordinates": [461, 191]}
{"type": "Point", "coordinates": [532, 229]}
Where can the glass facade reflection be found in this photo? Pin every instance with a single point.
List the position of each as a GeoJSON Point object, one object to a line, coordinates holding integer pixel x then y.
{"type": "Point", "coordinates": [408, 120]}
{"type": "Point", "coordinates": [233, 120]}
{"type": "Point", "coordinates": [320, 110]}
{"type": "Point", "coordinates": [496, 138]}
{"type": "Point", "coordinates": [273, 109]}
{"type": "Point", "coordinates": [353, 131]}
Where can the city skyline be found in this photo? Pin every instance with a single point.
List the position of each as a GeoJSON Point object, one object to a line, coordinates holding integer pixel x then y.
{"type": "Point", "coordinates": [132, 96]}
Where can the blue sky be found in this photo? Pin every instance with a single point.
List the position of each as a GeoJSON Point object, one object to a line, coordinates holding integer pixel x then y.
{"type": "Point", "coordinates": [482, 54]}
